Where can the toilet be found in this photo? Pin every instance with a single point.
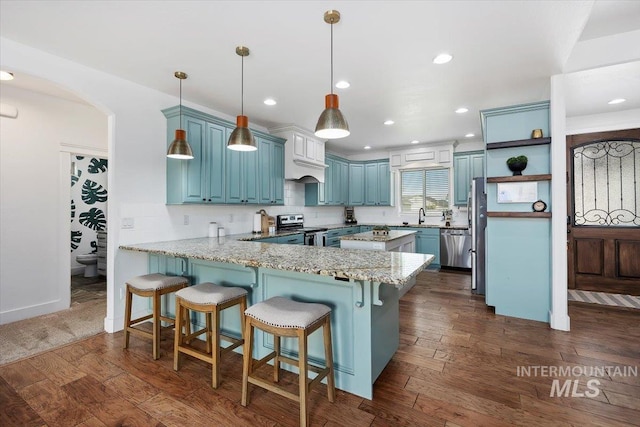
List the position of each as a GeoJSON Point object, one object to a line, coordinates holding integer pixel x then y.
{"type": "Point", "coordinates": [90, 261]}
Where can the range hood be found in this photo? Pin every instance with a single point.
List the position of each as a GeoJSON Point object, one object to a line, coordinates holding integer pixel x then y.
{"type": "Point", "coordinates": [303, 154]}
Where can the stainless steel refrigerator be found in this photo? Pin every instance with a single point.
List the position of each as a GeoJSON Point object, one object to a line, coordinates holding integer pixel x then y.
{"type": "Point", "coordinates": [477, 212]}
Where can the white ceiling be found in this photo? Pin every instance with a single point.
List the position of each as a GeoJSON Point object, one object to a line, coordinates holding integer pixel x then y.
{"type": "Point", "coordinates": [504, 53]}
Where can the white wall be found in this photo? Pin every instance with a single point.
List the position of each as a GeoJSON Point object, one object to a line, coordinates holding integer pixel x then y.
{"type": "Point", "coordinates": [31, 278]}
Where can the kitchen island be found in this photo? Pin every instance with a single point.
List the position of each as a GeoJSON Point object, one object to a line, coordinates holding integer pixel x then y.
{"type": "Point", "coordinates": [361, 287]}
{"type": "Point", "coordinates": [392, 241]}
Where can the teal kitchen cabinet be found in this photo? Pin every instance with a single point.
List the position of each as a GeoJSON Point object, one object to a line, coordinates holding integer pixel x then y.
{"type": "Point", "coordinates": [270, 171]}
{"type": "Point", "coordinates": [241, 184]}
{"type": "Point", "coordinates": [292, 239]}
{"type": "Point", "coordinates": [217, 174]}
{"type": "Point", "coordinates": [356, 184]}
{"type": "Point", "coordinates": [339, 183]}
{"type": "Point", "coordinates": [314, 194]}
{"type": "Point", "coordinates": [199, 180]}
{"type": "Point", "coordinates": [377, 184]}
{"type": "Point", "coordinates": [334, 191]}
{"type": "Point", "coordinates": [466, 166]}
{"type": "Point", "coordinates": [507, 133]}
{"type": "Point", "coordinates": [427, 242]}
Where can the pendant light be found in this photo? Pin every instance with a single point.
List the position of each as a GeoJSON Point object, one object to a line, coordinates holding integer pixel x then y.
{"type": "Point", "coordinates": [241, 138]}
{"type": "Point", "coordinates": [332, 124]}
{"type": "Point", "coordinates": [180, 148]}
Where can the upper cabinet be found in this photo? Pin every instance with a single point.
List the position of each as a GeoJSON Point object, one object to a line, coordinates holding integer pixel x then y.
{"type": "Point", "coordinates": [377, 183]}
{"type": "Point", "coordinates": [304, 153]}
{"type": "Point", "coordinates": [217, 174]}
{"type": "Point", "coordinates": [466, 166]}
{"type": "Point", "coordinates": [270, 172]}
{"type": "Point", "coordinates": [356, 183]}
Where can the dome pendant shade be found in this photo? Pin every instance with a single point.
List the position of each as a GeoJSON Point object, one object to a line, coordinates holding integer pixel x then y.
{"type": "Point", "coordinates": [241, 138]}
{"type": "Point", "coordinates": [180, 148]}
{"type": "Point", "coordinates": [332, 124]}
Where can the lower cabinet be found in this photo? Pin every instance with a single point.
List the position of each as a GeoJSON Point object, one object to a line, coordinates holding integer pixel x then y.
{"type": "Point", "coordinates": [291, 239]}
{"type": "Point", "coordinates": [427, 242]}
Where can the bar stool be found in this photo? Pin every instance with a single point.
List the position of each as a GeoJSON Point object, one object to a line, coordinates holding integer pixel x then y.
{"type": "Point", "coordinates": [151, 286]}
{"type": "Point", "coordinates": [283, 317]}
{"type": "Point", "coordinates": [210, 299]}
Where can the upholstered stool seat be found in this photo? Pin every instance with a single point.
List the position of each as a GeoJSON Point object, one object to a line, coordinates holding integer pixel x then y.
{"type": "Point", "coordinates": [150, 286]}
{"type": "Point", "coordinates": [210, 299]}
{"type": "Point", "coordinates": [283, 317]}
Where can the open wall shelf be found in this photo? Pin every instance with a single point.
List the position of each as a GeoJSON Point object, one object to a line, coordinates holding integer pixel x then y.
{"type": "Point", "coordinates": [519, 214]}
{"type": "Point", "coordinates": [518, 143]}
{"type": "Point", "coordinates": [519, 178]}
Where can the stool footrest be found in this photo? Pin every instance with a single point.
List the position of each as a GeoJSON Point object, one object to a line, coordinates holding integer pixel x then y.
{"type": "Point", "coordinates": [235, 343]}
{"type": "Point", "coordinates": [271, 387]}
{"type": "Point", "coordinates": [322, 373]}
{"type": "Point", "coordinates": [140, 319]}
{"type": "Point", "coordinates": [258, 363]}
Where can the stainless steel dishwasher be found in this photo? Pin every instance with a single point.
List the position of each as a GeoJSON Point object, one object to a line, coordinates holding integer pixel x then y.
{"type": "Point", "coordinates": [455, 248]}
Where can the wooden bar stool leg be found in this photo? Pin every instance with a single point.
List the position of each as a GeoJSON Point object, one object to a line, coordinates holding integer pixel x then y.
{"type": "Point", "coordinates": [276, 360]}
{"type": "Point", "coordinates": [328, 357]}
{"type": "Point", "coordinates": [215, 354]}
{"type": "Point", "coordinates": [302, 367]}
{"type": "Point", "coordinates": [127, 316]}
{"type": "Point", "coordinates": [156, 325]}
{"type": "Point", "coordinates": [178, 335]}
{"type": "Point", "coordinates": [247, 360]}
{"type": "Point", "coordinates": [209, 320]}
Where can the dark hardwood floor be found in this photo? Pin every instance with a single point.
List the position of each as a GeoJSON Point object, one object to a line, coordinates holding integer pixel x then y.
{"type": "Point", "coordinates": [456, 366]}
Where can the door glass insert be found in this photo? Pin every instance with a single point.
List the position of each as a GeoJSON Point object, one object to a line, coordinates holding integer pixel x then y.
{"type": "Point", "coordinates": [606, 184]}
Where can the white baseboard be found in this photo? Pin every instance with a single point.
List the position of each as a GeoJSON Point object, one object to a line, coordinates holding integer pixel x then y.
{"type": "Point", "coordinates": [31, 311]}
{"type": "Point", "coordinates": [561, 323]}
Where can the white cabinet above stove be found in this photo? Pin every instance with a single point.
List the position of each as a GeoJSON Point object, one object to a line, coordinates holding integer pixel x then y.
{"type": "Point", "coordinates": [304, 154]}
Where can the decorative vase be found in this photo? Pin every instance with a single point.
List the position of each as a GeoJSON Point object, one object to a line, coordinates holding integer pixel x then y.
{"type": "Point", "coordinates": [517, 167]}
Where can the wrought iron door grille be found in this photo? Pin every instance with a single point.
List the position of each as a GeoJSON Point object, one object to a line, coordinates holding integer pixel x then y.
{"type": "Point", "coordinates": [605, 183]}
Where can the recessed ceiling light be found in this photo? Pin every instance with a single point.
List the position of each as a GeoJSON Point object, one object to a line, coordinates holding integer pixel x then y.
{"type": "Point", "coordinates": [343, 84]}
{"type": "Point", "coordinates": [462, 110]}
{"type": "Point", "coordinates": [470, 135]}
{"type": "Point", "coordinates": [5, 75]}
{"type": "Point", "coordinates": [617, 101]}
{"type": "Point", "coordinates": [415, 141]}
{"type": "Point", "coordinates": [270, 101]}
{"type": "Point", "coordinates": [367, 147]}
{"type": "Point", "coordinates": [443, 58]}
{"type": "Point", "coordinates": [389, 122]}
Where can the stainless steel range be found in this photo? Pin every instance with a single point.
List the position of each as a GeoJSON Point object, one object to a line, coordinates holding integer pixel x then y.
{"type": "Point", "coordinates": [313, 236]}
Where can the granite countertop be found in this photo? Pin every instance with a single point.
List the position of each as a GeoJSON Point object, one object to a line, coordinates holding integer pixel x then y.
{"type": "Point", "coordinates": [368, 236]}
{"type": "Point", "coordinates": [395, 268]}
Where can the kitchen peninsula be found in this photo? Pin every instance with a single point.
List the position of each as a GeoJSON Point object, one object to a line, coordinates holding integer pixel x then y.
{"type": "Point", "coordinates": [361, 287]}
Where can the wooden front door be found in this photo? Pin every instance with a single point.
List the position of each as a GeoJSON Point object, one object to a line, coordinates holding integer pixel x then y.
{"type": "Point", "coordinates": [603, 190]}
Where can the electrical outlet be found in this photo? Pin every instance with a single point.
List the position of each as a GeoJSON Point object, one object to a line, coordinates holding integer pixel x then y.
{"type": "Point", "coordinates": [121, 293]}
{"type": "Point", "coordinates": [186, 220]}
{"type": "Point", "coordinates": [230, 217]}
{"type": "Point", "coordinates": [127, 223]}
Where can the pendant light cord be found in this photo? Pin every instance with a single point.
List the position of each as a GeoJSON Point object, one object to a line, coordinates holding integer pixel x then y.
{"type": "Point", "coordinates": [332, 58]}
{"type": "Point", "coordinates": [180, 103]}
{"type": "Point", "coordinates": [242, 87]}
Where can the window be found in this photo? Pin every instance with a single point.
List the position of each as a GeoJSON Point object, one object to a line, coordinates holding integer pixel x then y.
{"type": "Point", "coordinates": [424, 188]}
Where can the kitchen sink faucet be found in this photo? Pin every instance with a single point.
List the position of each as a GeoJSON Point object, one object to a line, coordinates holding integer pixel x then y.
{"type": "Point", "coordinates": [421, 215]}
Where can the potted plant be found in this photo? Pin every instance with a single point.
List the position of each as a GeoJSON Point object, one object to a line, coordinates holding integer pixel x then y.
{"type": "Point", "coordinates": [517, 164]}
